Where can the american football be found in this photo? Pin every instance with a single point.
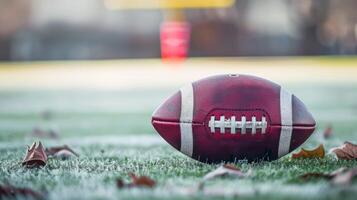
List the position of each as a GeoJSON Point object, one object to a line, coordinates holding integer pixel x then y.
{"type": "Point", "coordinates": [233, 117]}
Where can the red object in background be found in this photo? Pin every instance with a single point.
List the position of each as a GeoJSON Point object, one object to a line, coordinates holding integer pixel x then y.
{"type": "Point", "coordinates": [233, 117]}
{"type": "Point", "coordinates": [175, 40]}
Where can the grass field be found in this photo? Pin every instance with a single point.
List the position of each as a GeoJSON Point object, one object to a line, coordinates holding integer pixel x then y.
{"type": "Point", "coordinates": [110, 129]}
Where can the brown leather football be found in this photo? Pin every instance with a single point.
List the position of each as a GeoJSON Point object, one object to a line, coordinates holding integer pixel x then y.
{"type": "Point", "coordinates": [233, 117]}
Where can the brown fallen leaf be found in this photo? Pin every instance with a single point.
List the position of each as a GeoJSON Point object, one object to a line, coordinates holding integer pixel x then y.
{"type": "Point", "coordinates": [326, 176]}
{"type": "Point", "coordinates": [38, 132]}
{"type": "Point", "coordinates": [9, 191]}
{"type": "Point", "coordinates": [328, 131]}
{"type": "Point", "coordinates": [35, 156]}
{"type": "Point", "coordinates": [319, 152]}
{"type": "Point", "coordinates": [120, 183]}
{"type": "Point", "coordinates": [317, 175]}
{"type": "Point", "coordinates": [137, 181]}
{"type": "Point", "coordinates": [141, 180]}
{"type": "Point", "coordinates": [314, 175]}
{"type": "Point", "coordinates": [347, 151]}
{"type": "Point", "coordinates": [63, 152]}
{"type": "Point", "coordinates": [344, 178]}
{"type": "Point", "coordinates": [222, 171]}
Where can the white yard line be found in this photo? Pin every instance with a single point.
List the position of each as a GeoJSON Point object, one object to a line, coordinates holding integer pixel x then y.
{"type": "Point", "coordinates": [152, 73]}
{"type": "Point", "coordinates": [125, 140]}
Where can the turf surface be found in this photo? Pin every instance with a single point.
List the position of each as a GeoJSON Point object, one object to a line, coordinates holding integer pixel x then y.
{"type": "Point", "coordinates": [112, 133]}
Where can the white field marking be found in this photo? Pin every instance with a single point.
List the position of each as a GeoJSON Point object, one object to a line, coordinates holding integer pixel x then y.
{"type": "Point", "coordinates": [153, 73]}
{"type": "Point", "coordinates": [132, 140]}
{"type": "Point", "coordinates": [286, 122]}
{"type": "Point", "coordinates": [125, 140]}
{"type": "Point", "coordinates": [186, 116]}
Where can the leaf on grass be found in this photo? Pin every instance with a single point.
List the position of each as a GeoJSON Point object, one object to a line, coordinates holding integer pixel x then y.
{"type": "Point", "coordinates": [224, 170]}
{"type": "Point", "coordinates": [345, 177]}
{"type": "Point", "coordinates": [227, 170]}
{"type": "Point", "coordinates": [141, 180]}
{"type": "Point", "coordinates": [120, 183]}
{"type": "Point", "coordinates": [347, 151]}
{"type": "Point", "coordinates": [38, 132]}
{"type": "Point", "coordinates": [317, 175]}
{"type": "Point", "coordinates": [337, 176]}
{"type": "Point", "coordinates": [35, 156]}
{"type": "Point", "coordinates": [319, 152]}
{"type": "Point", "coordinates": [63, 152]}
{"type": "Point", "coordinates": [328, 132]}
{"type": "Point", "coordinates": [136, 181]}
{"type": "Point", "coordinates": [9, 191]}
{"type": "Point", "coordinates": [314, 175]}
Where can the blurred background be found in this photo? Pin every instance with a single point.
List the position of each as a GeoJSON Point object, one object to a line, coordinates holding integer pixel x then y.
{"type": "Point", "coordinates": [110, 29]}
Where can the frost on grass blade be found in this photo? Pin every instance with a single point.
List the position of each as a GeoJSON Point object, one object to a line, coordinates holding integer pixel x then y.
{"type": "Point", "coordinates": [35, 156]}
{"type": "Point", "coordinates": [319, 152]}
{"type": "Point", "coordinates": [347, 151]}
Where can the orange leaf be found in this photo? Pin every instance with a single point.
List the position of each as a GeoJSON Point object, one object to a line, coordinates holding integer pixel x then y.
{"type": "Point", "coordinates": [142, 181]}
{"type": "Point", "coordinates": [319, 152]}
{"type": "Point", "coordinates": [137, 181]}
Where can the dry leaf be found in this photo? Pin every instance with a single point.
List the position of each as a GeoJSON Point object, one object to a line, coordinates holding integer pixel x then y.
{"type": "Point", "coordinates": [120, 183]}
{"type": "Point", "coordinates": [344, 178]}
{"type": "Point", "coordinates": [35, 156]}
{"type": "Point", "coordinates": [137, 181]}
{"type": "Point", "coordinates": [319, 152]}
{"type": "Point", "coordinates": [9, 191]}
{"type": "Point", "coordinates": [141, 180]}
{"type": "Point", "coordinates": [327, 176]}
{"type": "Point", "coordinates": [347, 151]}
{"type": "Point", "coordinates": [38, 132]}
{"type": "Point", "coordinates": [222, 171]}
{"type": "Point", "coordinates": [63, 152]}
{"type": "Point", "coordinates": [328, 131]}
{"type": "Point", "coordinates": [314, 175]}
